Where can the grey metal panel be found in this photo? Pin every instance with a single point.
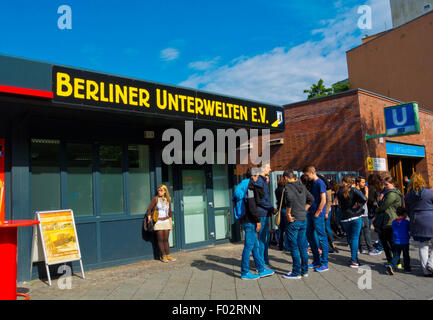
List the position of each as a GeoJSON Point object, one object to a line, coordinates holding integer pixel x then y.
{"type": "Point", "coordinates": [23, 73]}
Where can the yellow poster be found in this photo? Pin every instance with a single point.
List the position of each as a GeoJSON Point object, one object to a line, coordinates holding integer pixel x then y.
{"type": "Point", "coordinates": [370, 166]}
{"type": "Point", "coordinates": [59, 237]}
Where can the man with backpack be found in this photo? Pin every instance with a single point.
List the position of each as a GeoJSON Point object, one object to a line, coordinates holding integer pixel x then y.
{"type": "Point", "coordinates": [250, 221]}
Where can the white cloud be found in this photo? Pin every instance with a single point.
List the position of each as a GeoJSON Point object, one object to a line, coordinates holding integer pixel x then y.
{"type": "Point", "coordinates": [169, 54]}
{"type": "Point", "coordinates": [381, 14]}
{"type": "Point", "coordinates": [203, 65]}
{"type": "Point", "coordinates": [280, 75]}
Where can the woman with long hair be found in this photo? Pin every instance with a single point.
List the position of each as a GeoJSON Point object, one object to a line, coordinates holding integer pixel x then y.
{"type": "Point", "coordinates": [419, 205]}
{"type": "Point", "coordinates": [351, 201]}
{"type": "Point", "coordinates": [336, 212]}
{"type": "Point", "coordinates": [159, 210]}
{"type": "Point", "coordinates": [282, 238]}
{"type": "Point", "coordinates": [375, 188]}
{"type": "Point", "coordinates": [386, 213]}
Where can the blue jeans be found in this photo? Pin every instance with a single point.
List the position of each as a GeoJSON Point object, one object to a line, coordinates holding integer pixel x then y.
{"type": "Point", "coordinates": [316, 239]}
{"type": "Point", "coordinates": [251, 245]}
{"type": "Point", "coordinates": [282, 235]}
{"type": "Point", "coordinates": [328, 227]}
{"type": "Point", "coordinates": [318, 225]}
{"type": "Point", "coordinates": [264, 238]}
{"type": "Point", "coordinates": [296, 234]}
{"type": "Point", "coordinates": [353, 230]}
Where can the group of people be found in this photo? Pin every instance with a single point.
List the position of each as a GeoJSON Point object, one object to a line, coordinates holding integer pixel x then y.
{"type": "Point", "coordinates": [312, 209]}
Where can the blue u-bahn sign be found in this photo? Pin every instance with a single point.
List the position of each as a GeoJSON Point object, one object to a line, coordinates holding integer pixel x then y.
{"type": "Point", "coordinates": [402, 119]}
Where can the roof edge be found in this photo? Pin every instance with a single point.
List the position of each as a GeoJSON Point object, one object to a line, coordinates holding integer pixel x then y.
{"type": "Point", "coordinates": [390, 30]}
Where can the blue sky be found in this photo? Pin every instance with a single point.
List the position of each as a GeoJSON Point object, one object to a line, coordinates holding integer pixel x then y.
{"type": "Point", "coordinates": [263, 50]}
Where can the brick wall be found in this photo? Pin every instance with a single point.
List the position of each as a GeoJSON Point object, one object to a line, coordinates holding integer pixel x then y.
{"type": "Point", "coordinates": [372, 118]}
{"type": "Point", "coordinates": [329, 133]}
{"type": "Point", "coordinates": [325, 132]}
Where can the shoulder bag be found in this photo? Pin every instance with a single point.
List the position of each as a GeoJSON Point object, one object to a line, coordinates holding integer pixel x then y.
{"type": "Point", "coordinates": [278, 214]}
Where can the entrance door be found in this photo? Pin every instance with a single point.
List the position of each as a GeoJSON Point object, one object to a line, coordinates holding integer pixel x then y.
{"type": "Point", "coordinates": [400, 167]}
{"type": "Point", "coordinates": [198, 227]}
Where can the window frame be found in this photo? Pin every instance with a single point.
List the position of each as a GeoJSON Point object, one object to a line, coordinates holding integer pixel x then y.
{"type": "Point", "coordinates": [96, 177]}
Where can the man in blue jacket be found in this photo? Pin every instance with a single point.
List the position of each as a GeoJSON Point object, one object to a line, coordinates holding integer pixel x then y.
{"type": "Point", "coordinates": [250, 221]}
{"type": "Point", "coordinates": [265, 210]}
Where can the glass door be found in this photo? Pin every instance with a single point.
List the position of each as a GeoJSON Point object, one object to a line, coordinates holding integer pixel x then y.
{"type": "Point", "coordinates": [197, 207]}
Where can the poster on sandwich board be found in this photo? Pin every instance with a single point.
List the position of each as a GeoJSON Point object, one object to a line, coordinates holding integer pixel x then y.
{"type": "Point", "coordinates": [58, 236]}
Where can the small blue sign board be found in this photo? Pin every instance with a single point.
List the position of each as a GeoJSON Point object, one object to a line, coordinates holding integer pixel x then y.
{"type": "Point", "coordinates": [408, 150]}
{"type": "Point", "coordinates": [402, 120]}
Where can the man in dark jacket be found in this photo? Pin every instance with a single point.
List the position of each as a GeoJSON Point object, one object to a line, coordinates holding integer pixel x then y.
{"type": "Point", "coordinates": [250, 221]}
{"type": "Point", "coordinates": [297, 201]}
{"type": "Point", "coordinates": [265, 209]}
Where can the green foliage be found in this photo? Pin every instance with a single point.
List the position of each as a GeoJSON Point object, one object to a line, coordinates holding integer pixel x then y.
{"type": "Point", "coordinates": [340, 87]}
{"type": "Point", "coordinates": [319, 89]}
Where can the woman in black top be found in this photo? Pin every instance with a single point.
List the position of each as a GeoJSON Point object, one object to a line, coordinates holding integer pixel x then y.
{"type": "Point", "coordinates": [351, 201]}
{"type": "Point", "coordinates": [282, 239]}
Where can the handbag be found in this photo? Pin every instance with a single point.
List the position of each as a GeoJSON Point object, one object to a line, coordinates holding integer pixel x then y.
{"type": "Point", "coordinates": [378, 222]}
{"type": "Point", "coordinates": [278, 214]}
{"type": "Point", "coordinates": [148, 224]}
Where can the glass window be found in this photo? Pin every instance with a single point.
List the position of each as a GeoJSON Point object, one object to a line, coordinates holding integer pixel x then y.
{"type": "Point", "coordinates": [195, 205]}
{"type": "Point", "coordinates": [110, 163]}
{"type": "Point", "coordinates": [221, 192]}
{"type": "Point", "coordinates": [79, 196]}
{"type": "Point", "coordinates": [222, 226]}
{"type": "Point", "coordinates": [221, 195]}
{"type": "Point", "coordinates": [45, 172]}
{"type": "Point", "coordinates": [139, 178]}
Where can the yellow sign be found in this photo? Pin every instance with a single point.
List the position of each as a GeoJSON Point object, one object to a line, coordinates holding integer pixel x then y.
{"type": "Point", "coordinates": [59, 236]}
{"type": "Point", "coordinates": [370, 166]}
{"type": "Point", "coordinates": [73, 86]}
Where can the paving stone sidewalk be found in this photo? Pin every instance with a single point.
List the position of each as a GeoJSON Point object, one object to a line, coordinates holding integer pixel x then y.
{"type": "Point", "coordinates": [214, 274]}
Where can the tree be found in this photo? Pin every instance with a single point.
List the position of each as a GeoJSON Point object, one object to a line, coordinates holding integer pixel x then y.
{"type": "Point", "coordinates": [319, 89]}
{"type": "Point", "coordinates": [340, 86]}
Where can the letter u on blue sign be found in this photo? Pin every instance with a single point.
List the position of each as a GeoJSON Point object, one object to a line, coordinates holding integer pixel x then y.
{"type": "Point", "coordinates": [400, 120]}
{"type": "Point", "coordinates": [395, 119]}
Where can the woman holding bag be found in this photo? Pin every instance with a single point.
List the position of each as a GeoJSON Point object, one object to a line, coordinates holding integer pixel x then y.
{"type": "Point", "coordinates": [386, 213]}
{"type": "Point", "coordinates": [159, 210]}
{"type": "Point", "coordinates": [351, 201]}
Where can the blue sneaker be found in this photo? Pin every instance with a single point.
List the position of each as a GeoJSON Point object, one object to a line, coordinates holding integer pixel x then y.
{"type": "Point", "coordinates": [290, 275]}
{"type": "Point", "coordinates": [321, 269]}
{"type": "Point", "coordinates": [313, 266]}
{"type": "Point", "coordinates": [266, 273]}
{"type": "Point", "coordinates": [250, 276]}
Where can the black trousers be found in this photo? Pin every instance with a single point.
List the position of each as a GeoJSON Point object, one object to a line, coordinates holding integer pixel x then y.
{"type": "Point", "coordinates": [398, 248]}
{"type": "Point", "coordinates": [386, 237]}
